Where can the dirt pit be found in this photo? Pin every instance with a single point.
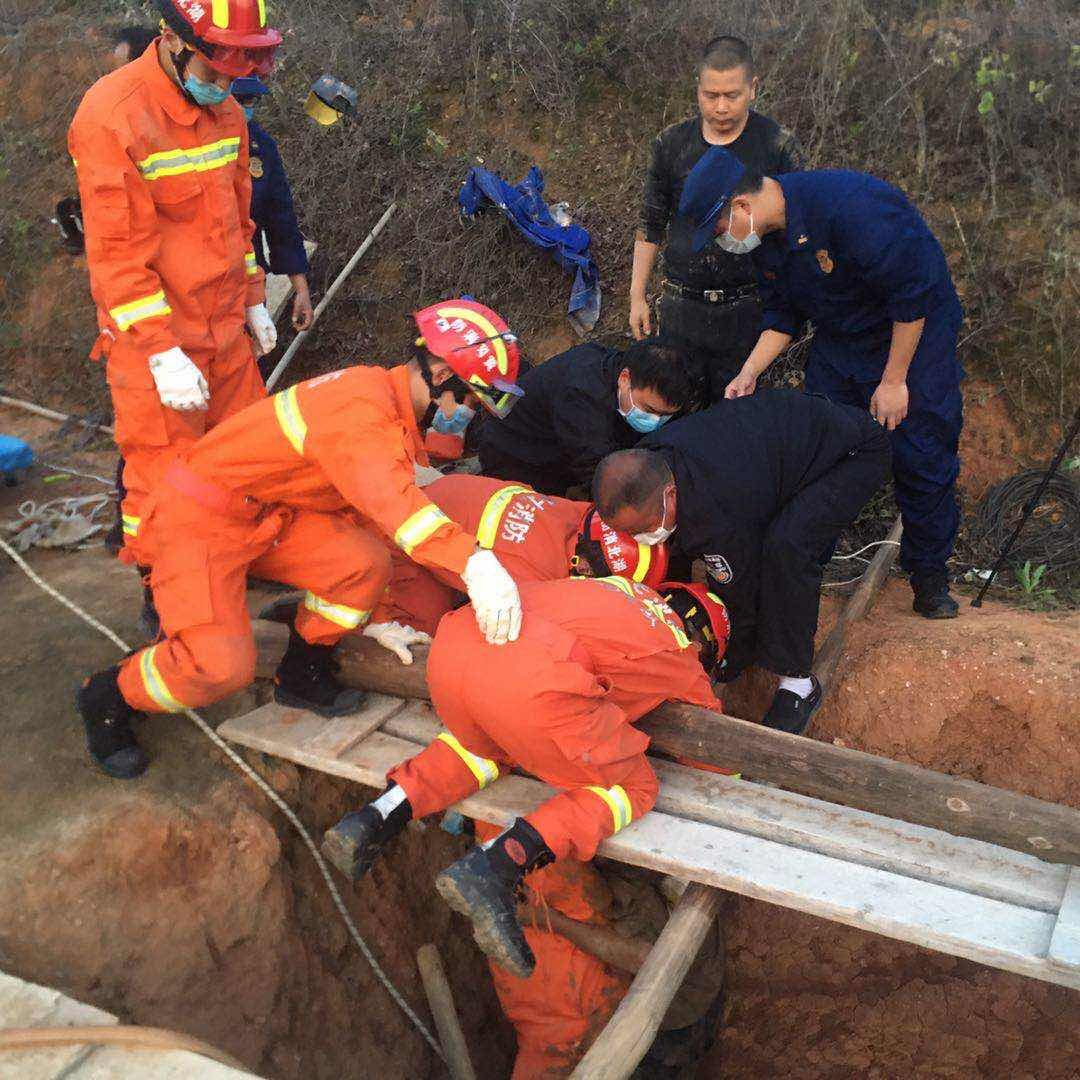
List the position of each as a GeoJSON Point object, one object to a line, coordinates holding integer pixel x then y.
{"type": "Point", "coordinates": [183, 900]}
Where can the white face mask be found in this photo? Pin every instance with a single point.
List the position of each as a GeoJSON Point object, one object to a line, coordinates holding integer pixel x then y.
{"type": "Point", "coordinates": [738, 247]}
{"type": "Point", "coordinates": [659, 534]}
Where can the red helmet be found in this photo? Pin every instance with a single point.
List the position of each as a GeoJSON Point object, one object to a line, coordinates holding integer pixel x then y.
{"type": "Point", "coordinates": [703, 614]}
{"type": "Point", "coordinates": [602, 551]}
{"type": "Point", "coordinates": [232, 35]}
{"type": "Point", "coordinates": [479, 348]}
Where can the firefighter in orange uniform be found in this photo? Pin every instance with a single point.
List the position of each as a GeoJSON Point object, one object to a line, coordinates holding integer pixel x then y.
{"type": "Point", "coordinates": [308, 487]}
{"type": "Point", "coordinates": [595, 655]}
{"type": "Point", "coordinates": [536, 537]}
{"type": "Point", "coordinates": [161, 152]}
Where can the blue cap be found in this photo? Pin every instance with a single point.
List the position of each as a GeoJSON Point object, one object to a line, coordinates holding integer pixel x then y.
{"type": "Point", "coordinates": [249, 86]}
{"type": "Point", "coordinates": [708, 187]}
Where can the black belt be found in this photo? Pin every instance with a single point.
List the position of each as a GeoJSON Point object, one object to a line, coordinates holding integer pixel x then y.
{"type": "Point", "coordinates": [711, 296]}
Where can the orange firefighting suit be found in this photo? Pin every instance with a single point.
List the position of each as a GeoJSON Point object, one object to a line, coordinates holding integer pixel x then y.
{"type": "Point", "coordinates": [166, 202]}
{"type": "Point", "coordinates": [594, 655]}
{"type": "Point", "coordinates": [532, 535]}
{"type": "Point", "coordinates": [307, 487]}
{"type": "Point", "coordinates": [571, 994]}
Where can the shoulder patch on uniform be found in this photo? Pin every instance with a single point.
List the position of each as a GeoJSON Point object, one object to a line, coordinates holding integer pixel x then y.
{"type": "Point", "coordinates": [719, 568]}
{"type": "Point", "coordinates": [255, 166]}
{"type": "Point", "coordinates": [824, 260]}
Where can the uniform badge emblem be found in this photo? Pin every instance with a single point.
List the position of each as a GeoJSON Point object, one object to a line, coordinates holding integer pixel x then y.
{"type": "Point", "coordinates": [803, 239]}
{"type": "Point", "coordinates": [769, 275]}
{"type": "Point", "coordinates": [255, 166]}
{"type": "Point", "coordinates": [719, 569]}
{"type": "Point", "coordinates": [824, 261]}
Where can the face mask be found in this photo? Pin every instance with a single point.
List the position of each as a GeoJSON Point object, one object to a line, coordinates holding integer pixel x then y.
{"type": "Point", "coordinates": [728, 243]}
{"type": "Point", "coordinates": [639, 419]}
{"type": "Point", "coordinates": [249, 111]}
{"type": "Point", "coordinates": [204, 93]}
{"type": "Point", "coordinates": [658, 535]}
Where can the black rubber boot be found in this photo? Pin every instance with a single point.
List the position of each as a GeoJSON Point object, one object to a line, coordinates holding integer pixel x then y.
{"type": "Point", "coordinates": [149, 620]}
{"type": "Point", "coordinates": [307, 678]}
{"type": "Point", "coordinates": [483, 885]}
{"type": "Point", "coordinates": [791, 713]}
{"type": "Point", "coordinates": [360, 837]}
{"type": "Point", "coordinates": [932, 598]}
{"type": "Point", "coordinates": [107, 718]}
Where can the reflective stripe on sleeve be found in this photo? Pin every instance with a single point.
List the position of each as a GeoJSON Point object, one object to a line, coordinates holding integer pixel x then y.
{"type": "Point", "coordinates": [338, 614]}
{"type": "Point", "coordinates": [484, 769]}
{"type": "Point", "coordinates": [155, 684]}
{"type": "Point", "coordinates": [130, 524]}
{"type": "Point", "coordinates": [418, 527]}
{"type": "Point", "coordinates": [146, 307]}
{"type": "Point", "coordinates": [618, 803]}
{"type": "Point", "coordinates": [287, 410]}
{"type": "Point", "coordinates": [250, 265]}
{"type": "Point", "coordinates": [213, 155]}
{"type": "Point", "coordinates": [491, 518]}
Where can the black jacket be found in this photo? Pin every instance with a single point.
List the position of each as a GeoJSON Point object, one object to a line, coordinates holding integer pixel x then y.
{"type": "Point", "coordinates": [568, 419]}
{"type": "Point", "coordinates": [736, 465]}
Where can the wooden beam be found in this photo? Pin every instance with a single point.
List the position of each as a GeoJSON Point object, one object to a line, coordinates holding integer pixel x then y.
{"type": "Point", "coordinates": [630, 1032]}
{"type": "Point", "coordinates": [441, 1000]}
{"type": "Point", "coordinates": [836, 774]}
{"type": "Point", "coordinates": [828, 656]}
{"type": "Point", "coordinates": [624, 953]}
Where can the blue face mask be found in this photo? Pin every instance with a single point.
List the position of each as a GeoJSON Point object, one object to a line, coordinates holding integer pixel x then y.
{"type": "Point", "coordinates": [249, 111]}
{"type": "Point", "coordinates": [639, 419]}
{"type": "Point", "coordinates": [204, 93]}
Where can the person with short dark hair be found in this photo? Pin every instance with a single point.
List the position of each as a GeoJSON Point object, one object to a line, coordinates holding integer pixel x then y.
{"type": "Point", "coordinates": [759, 488]}
{"type": "Point", "coordinates": [582, 404]}
{"type": "Point", "coordinates": [851, 253]}
{"type": "Point", "coordinates": [709, 302]}
{"type": "Point", "coordinates": [129, 43]}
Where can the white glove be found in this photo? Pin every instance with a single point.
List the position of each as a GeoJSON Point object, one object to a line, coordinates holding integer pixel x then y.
{"type": "Point", "coordinates": [397, 638]}
{"type": "Point", "coordinates": [180, 384]}
{"type": "Point", "coordinates": [262, 329]}
{"type": "Point", "coordinates": [494, 597]}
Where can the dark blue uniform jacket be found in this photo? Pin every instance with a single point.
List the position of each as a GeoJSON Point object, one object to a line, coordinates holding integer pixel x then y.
{"type": "Point", "coordinates": [272, 208]}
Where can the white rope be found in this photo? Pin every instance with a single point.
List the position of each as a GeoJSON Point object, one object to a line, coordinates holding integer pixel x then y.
{"type": "Point", "coordinates": [865, 547]}
{"type": "Point", "coordinates": [263, 786]}
{"type": "Point", "coordinates": [75, 472]}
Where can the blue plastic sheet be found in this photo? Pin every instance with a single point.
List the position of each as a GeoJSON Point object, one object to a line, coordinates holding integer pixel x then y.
{"type": "Point", "coordinates": [15, 456]}
{"type": "Point", "coordinates": [524, 205]}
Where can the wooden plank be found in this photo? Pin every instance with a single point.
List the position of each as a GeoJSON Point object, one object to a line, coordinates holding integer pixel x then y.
{"type": "Point", "coordinates": [629, 1033]}
{"type": "Point", "coordinates": [836, 774]}
{"type": "Point", "coordinates": [961, 924]}
{"type": "Point", "coordinates": [344, 732]}
{"type": "Point", "coordinates": [441, 1000]}
{"type": "Point", "coordinates": [1065, 941]}
{"type": "Point", "coordinates": [854, 835]}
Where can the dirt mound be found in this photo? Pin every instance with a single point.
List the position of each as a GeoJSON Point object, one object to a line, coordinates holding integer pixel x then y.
{"type": "Point", "coordinates": [993, 696]}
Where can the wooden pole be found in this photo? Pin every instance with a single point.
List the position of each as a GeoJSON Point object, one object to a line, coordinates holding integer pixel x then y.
{"type": "Point", "coordinates": [633, 1026]}
{"type": "Point", "coordinates": [297, 341]}
{"type": "Point", "coordinates": [625, 953]}
{"type": "Point", "coordinates": [828, 656]}
{"type": "Point", "coordinates": [441, 1000]}
{"type": "Point", "coordinates": [836, 774]}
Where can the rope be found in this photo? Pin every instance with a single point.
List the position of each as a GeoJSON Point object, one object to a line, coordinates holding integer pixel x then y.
{"type": "Point", "coordinates": [1051, 536]}
{"type": "Point", "coordinates": [865, 547]}
{"type": "Point", "coordinates": [263, 786]}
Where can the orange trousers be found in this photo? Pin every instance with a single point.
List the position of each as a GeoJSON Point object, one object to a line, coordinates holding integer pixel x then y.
{"type": "Point", "coordinates": [416, 596]}
{"type": "Point", "coordinates": [552, 720]}
{"type": "Point", "coordinates": [149, 435]}
{"type": "Point", "coordinates": [200, 563]}
{"type": "Point", "coordinates": [571, 994]}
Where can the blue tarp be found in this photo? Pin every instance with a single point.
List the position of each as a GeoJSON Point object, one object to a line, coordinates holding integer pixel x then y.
{"type": "Point", "coordinates": [15, 456]}
{"type": "Point", "coordinates": [524, 205]}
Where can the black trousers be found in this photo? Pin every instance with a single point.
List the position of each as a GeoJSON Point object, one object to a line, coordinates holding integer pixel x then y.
{"type": "Point", "coordinates": [718, 336]}
{"type": "Point", "coordinates": [795, 548]}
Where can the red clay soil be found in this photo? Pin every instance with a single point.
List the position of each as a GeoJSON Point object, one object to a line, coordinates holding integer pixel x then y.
{"type": "Point", "coordinates": [994, 696]}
